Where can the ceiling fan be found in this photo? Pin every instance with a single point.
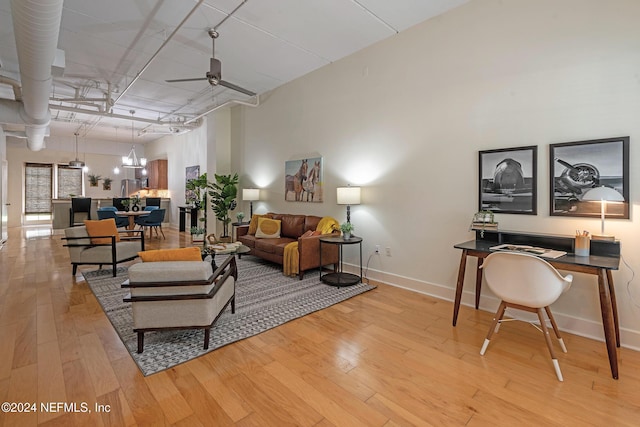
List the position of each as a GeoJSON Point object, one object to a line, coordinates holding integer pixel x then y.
{"type": "Point", "coordinates": [214, 75]}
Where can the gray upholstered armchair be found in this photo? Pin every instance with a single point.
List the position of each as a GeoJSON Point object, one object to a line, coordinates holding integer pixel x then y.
{"type": "Point", "coordinates": [180, 295]}
{"type": "Point", "coordinates": [82, 251]}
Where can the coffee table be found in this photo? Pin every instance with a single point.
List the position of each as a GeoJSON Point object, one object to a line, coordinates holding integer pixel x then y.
{"type": "Point", "coordinates": [211, 250]}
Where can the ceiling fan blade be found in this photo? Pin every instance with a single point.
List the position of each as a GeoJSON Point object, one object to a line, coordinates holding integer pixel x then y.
{"type": "Point", "coordinates": [236, 88]}
{"type": "Point", "coordinates": [195, 79]}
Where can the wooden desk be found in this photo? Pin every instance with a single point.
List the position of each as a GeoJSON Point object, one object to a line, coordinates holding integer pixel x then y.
{"type": "Point", "coordinates": [604, 257]}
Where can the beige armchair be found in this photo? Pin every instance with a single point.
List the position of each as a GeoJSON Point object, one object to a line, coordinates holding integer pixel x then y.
{"type": "Point", "coordinates": [180, 295]}
{"type": "Point", "coordinates": [82, 251]}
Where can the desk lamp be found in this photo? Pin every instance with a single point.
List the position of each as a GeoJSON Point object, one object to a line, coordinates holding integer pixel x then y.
{"type": "Point", "coordinates": [603, 195]}
{"type": "Point", "coordinates": [348, 196]}
{"type": "Point", "coordinates": [250, 194]}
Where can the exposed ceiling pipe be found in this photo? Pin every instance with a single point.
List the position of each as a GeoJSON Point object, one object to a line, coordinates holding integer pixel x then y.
{"type": "Point", "coordinates": [36, 26]}
{"type": "Point", "coordinates": [121, 116]}
{"type": "Point", "coordinates": [17, 92]}
{"type": "Point", "coordinates": [157, 51]}
{"type": "Point", "coordinates": [230, 102]}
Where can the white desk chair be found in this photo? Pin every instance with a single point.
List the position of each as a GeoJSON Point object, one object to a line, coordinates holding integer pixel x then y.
{"type": "Point", "coordinates": [528, 283]}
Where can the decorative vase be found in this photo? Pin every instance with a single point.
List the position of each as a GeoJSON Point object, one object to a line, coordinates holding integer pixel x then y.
{"type": "Point", "coordinates": [135, 208]}
{"type": "Point", "coordinates": [126, 208]}
{"type": "Point", "coordinates": [346, 235]}
{"type": "Point", "coordinates": [197, 238]}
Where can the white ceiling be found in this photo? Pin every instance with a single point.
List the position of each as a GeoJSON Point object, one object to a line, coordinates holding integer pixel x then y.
{"type": "Point", "coordinates": [262, 45]}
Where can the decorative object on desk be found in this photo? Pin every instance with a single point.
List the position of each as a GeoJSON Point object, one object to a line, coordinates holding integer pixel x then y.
{"type": "Point", "coordinates": [603, 195]}
{"type": "Point", "coordinates": [581, 244]}
{"type": "Point", "coordinates": [197, 234]}
{"type": "Point", "coordinates": [125, 204]}
{"type": "Point", "coordinates": [211, 239]}
{"type": "Point", "coordinates": [578, 167]}
{"type": "Point", "coordinates": [106, 183]}
{"type": "Point", "coordinates": [303, 182]}
{"type": "Point", "coordinates": [240, 217]}
{"type": "Point", "coordinates": [348, 196]}
{"type": "Point", "coordinates": [346, 228]}
{"type": "Point", "coordinates": [250, 195]}
{"type": "Point", "coordinates": [223, 194]}
{"type": "Point", "coordinates": [508, 180]}
{"type": "Point", "coordinates": [93, 179]}
{"type": "Point", "coordinates": [483, 220]}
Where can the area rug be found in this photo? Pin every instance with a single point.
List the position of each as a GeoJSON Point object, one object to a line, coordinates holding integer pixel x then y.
{"type": "Point", "coordinates": [265, 298]}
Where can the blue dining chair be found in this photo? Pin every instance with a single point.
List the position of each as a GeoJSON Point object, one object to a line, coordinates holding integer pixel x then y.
{"type": "Point", "coordinates": [110, 212]}
{"type": "Point", "coordinates": [153, 221]}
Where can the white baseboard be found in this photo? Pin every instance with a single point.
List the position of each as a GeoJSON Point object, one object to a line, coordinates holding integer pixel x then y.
{"type": "Point", "coordinates": [589, 328]}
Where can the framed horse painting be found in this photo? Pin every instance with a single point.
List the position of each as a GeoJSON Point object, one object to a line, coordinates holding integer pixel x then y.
{"type": "Point", "coordinates": [303, 180]}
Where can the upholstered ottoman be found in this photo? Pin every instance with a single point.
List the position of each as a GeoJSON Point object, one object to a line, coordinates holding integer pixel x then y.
{"type": "Point", "coordinates": [179, 295]}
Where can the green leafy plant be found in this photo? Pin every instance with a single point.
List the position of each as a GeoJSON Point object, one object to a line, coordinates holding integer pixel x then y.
{"type": "Point", "coordinates": [223, 194]}
{"type": "Point", "coordinates": [106, 183]}
{"type": "Point", "coordinates": [93, 179]}
{"type": "Point", "coordinates": [197, 230]}
{"type": "Point", "coordinates": [240, 216]}
{"type": "Point", "coordinates": [198, 187]}
{"type": "Point", "coordinates": [346, 227]}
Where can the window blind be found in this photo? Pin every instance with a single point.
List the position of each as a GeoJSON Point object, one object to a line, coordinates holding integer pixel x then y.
{"type": "Point", "coordinates": [38, 188]}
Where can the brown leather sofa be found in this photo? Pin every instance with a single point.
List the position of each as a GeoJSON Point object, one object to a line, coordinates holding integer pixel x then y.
{"type": "Point", "coordinates": [292, 228]}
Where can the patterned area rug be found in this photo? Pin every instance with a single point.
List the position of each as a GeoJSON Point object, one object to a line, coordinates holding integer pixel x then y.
{"type": "Point", "coordinates": [264, 299]}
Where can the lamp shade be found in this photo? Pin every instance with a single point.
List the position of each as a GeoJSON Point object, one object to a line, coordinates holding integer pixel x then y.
{"type": "Point", "coordinates": [250, 194]}
{"type": "Point", "coordinates": [348, 195]}
{"type": "Point", "coordinates": [604, 194]}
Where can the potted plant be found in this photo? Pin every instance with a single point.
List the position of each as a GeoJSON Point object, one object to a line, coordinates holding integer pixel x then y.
{"type": "Point", "coordinates": [135, 203]}
{"type": "Point", "coordinates": [106, 183]}
{"type": "Point", "coordinates": [240, 217]}
{"type": "Point", "coordinates": [125, 204]}
{"type": "Point", "coordinates": [197, 234]}
{"type": "Point", "coordinates": [346, 228]}
{"type": "Point", "coordinates": [198, 187]}
{"type": "Point", "coordinates": [93, 179]}
{"type": "Point", "coordinates": [223, 194]}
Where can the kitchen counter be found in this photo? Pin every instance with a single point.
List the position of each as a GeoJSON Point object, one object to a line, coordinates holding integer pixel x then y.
{"type": "Point", "coordinates": [61, 209]}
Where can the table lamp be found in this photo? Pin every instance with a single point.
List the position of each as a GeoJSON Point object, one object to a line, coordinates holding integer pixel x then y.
{"type": "Point", "coordinates": [603, 195]}
{"type": "Point", "coordinates": [348, 196]}
{"type": "Point", "coordinates": [250, 194]}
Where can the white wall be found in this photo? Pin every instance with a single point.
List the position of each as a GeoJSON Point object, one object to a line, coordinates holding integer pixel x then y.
{"type": "Point", "coordinates": [405, 119]}
{"type": "Point", "coordinates": [189, 149]}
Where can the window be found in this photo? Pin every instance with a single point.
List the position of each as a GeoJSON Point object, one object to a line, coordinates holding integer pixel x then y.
{"type": "Point", "coordinates": [38, 188]}
{"type": "Point", "coordinates": [69, 181]}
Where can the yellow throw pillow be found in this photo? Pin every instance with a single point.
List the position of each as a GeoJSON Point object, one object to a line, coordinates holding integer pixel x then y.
{"type": "Point", "coordinates": [182, 254]}
{"type": "Point", "coordinates": [102, 227]}
{"type": "Point", "coordinates": [268, 228]}
{"type": "Point", "coordinates": [253, 225]}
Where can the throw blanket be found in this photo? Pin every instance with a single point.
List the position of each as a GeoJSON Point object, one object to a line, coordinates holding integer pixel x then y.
{"type": "Point", "coordinates": [291, 258]}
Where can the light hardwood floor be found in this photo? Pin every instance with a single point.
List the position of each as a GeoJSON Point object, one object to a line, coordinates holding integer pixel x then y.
{"type": "Point", "coordinates": [388, 357]}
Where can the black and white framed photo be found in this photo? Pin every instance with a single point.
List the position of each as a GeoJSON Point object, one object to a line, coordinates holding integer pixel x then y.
{"type": "Point", "coordinates": [508, 180]}
{"type": "Point", "coordinates": [578, 167]}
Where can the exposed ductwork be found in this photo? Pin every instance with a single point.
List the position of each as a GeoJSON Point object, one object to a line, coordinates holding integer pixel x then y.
{"type": "Point", "coordinates": [36, 26]}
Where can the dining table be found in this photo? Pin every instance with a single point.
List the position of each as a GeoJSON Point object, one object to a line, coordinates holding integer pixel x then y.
{"type": "Point", "coordinates": [132, 216]}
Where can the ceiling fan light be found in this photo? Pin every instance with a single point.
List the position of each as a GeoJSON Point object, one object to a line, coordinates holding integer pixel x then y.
{"type": "Point", "coordinates": [76, 164]}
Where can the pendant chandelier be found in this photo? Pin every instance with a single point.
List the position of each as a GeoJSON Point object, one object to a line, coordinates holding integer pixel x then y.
{"type": "Point", "coordinates": [131, 161]}
{"type": "Point", "coordinates": [77, 163]}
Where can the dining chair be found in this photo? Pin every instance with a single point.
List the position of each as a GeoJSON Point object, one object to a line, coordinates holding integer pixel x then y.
{"type": "Point", "coordinates": [117, 202]}
{"type": "Point", "coordinates": [153, 221]}
{"type": "Point", "coordinates": [525, 282]}
{"type": "Point", "coordinates": [79, 211]}
{"type": "Point", "coordinates": [110, 212]}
